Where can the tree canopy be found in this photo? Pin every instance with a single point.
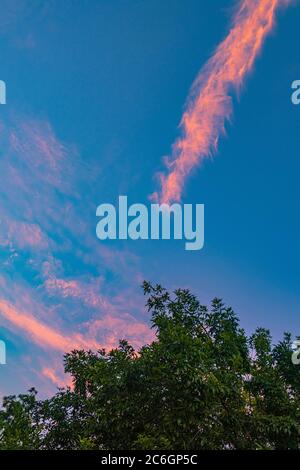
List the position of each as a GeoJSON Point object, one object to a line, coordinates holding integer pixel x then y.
{"type": "Point", "coordinates": [201, 384]}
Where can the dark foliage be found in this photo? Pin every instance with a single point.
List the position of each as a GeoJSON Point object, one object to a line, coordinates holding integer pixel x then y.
{"type": "Point", "coordinates": [202, 384]}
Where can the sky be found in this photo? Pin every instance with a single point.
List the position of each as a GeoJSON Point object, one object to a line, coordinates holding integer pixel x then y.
{"type": "Point", "coordinates": [96, 91]}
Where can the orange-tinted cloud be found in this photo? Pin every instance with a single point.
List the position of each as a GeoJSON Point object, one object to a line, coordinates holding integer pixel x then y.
{"type": "Point", "coordinates": [209, 105]}
{"type": "Point", "coordinates": [111, 328]}
{"type": "Point", "coordinates": [22, 234]}
{"type": "Point", "coordinates": [87, 293]}
{"type": "Point", "coordinates": [103, 332]}
{"type": "Point", "coordinates": [43, 334]}
{"type": "Point", "coordinates": [52, 374]}
{"type": "Point", "coordinates": [45, 232]}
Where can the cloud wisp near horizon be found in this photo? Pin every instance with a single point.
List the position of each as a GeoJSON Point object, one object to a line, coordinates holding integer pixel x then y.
{"type": "Point", "coordinates": [56, 307]}
{"type": "Point", "coordinates": [209, 104]}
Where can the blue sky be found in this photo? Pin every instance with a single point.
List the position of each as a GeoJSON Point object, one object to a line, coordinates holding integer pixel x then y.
{"type": "Point", "coordinates": [95, 93]}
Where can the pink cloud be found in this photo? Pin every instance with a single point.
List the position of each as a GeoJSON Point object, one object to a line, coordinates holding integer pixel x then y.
{"type": "Point", "coordinates": [88, 293]}
{"type": "Point", "coordinates": [26, 234]}
{"type": "Point", "coordinates": [51, 374]}
{"type": "Point", "coordinates": [43, 334]}
{"type": "Point", "coordinates": [43, 224]}
{"type": "Point", "coordinates": [111, 329]}
{"type": "Point", "coordinates": [209, 104]}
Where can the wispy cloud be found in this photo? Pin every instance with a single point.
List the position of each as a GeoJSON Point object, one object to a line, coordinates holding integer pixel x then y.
{"type": "Point", "coordinates": [53, 375]}
{"type": "Point", "coordinates": [42, 334]}
{"type": "Point", "coordinates": [54, 287]}
{"type": "Point", "coordinates": [209, 105]}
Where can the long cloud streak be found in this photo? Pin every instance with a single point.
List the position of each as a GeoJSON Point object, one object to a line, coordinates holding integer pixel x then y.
{"type": "Point", "coordinates": [43, 334]}
{"type": "Point", "coordinates": [59, 289]}
{"type": "Point", "coordinates": [209, 104]}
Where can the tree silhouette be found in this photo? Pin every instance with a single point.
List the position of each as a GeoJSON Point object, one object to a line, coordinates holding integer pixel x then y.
{"type": "Point", "coordinates": [201, 384]}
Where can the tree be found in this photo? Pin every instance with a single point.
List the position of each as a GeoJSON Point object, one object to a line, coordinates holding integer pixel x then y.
{"type": "Point", "coordinates": [19, 426]}
{"type": "Point", "coordinates": [201, 384]}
